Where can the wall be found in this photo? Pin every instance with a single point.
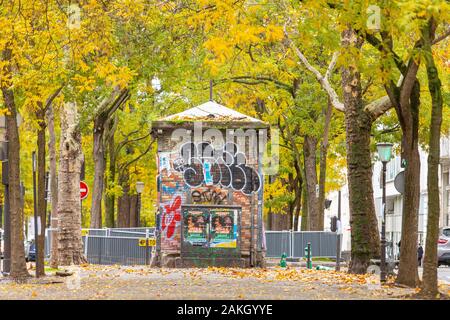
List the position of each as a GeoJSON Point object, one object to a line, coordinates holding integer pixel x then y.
{"type": "Point", "coordinates": [183, 179]}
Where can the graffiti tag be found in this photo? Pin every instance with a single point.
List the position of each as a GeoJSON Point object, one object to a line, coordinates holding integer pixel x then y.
{"type": "Point", "coordinates": [208, 196]}
{"type": "Point", "coordinates": [171, 217]}
{"type": "Point", "coordinates": [225, 166]}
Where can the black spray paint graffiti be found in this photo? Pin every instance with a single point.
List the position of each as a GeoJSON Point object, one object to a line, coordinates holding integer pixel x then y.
{"type": "Point", "coordinates": [225, 167]}
{"type": "Point", "coordinates": [208, 196]}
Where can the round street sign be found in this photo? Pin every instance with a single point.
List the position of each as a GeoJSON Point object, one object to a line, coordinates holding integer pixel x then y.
{"type": "Point", "coordinates": [84, 190]}
{"type": "Point", "coordinates": [399, 182]}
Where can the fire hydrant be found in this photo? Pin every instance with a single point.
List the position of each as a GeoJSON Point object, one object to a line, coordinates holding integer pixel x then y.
{"type": "Point", "coordinates": [283, 260]}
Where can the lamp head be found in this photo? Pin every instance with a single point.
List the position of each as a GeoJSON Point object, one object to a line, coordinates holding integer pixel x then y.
{"type": "Point", "coordinates": [139, 187]}
{"type": "Point", "coordinates": [384, 151]}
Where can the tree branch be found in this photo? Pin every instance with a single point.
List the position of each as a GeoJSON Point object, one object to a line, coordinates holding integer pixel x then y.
{"type": "Point", "coordinates": [378, 107]}
{"type": "Point", "coordinates": [258, 80]}
{"type": "Point", "coordinates": [123, 166]}
{"type": "Point", "coordinates": [323, 80]}
{"type": "Point", "coordinates": [53, 97]}
{"type": "Point", "coordinates": [442, 36]}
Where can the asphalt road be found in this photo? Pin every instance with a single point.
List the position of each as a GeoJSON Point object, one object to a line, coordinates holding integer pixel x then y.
{"type": "Point", "coordinates": [443, 274]}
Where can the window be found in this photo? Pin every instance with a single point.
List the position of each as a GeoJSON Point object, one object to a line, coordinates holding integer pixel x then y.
{"type": "Point", "coordinates": [446, 232]}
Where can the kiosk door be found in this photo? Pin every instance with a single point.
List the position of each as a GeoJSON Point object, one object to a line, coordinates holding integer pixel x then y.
{"type": "Point", "coordinates": [210, 232]}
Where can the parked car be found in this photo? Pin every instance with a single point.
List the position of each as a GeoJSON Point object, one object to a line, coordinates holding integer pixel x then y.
{"type": "Point", "coordinates": [30, 251]}
{"type": "Point", "coordinates": [444, 247]}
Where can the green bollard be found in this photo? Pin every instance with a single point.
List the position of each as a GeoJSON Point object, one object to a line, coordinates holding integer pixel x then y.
{"type": "Point", "coordinates": [283, 260]}
{"type": "Point", "coordinates": [308, 256]}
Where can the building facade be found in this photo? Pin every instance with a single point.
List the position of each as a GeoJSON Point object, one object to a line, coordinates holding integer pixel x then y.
{"type": "Point", "coordinates": [394, 200]}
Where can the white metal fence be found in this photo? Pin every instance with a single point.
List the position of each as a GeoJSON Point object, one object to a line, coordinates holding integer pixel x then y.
{"type": "Point", "coordinates": [293, 243]}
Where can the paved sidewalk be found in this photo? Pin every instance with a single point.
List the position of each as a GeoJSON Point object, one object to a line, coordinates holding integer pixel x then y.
{"type": "Point", "coordinates": [121, 282]}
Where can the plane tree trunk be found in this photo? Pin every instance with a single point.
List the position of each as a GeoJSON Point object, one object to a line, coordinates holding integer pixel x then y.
{"type": "Point", "coordinates": [365, 239]}
{"type": "Point", "coordinates": [69, 204]}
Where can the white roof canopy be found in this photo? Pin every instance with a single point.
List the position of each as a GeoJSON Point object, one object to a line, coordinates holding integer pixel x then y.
{"type": "Point", "coordinates": [211, 110]}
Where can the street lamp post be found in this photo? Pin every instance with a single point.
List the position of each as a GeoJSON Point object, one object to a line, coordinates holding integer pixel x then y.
{"type": "Point", "coordinates": [139, 190]}
{"type": "Point", "coordinates": [384, 153]}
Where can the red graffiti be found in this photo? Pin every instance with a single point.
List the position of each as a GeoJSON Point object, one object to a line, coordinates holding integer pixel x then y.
{"type": "Point", "coordinates": [171, 216]}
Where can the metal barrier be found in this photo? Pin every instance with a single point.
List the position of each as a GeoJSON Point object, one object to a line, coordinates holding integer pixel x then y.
{"type": "Point", "coordinates": [121, 245]}
{"type": "Point", "coordinates": [111, 246]}
{"type": "Point", "coordinates": [115, 250]}
{"type": "Point", "coordinates": [293, 243]}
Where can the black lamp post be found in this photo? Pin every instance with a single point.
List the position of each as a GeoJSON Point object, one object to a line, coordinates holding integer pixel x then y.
{"type": "Point", "coordinates": [384, 153]}
{"type": "Point", "coordinates": [139, 190]}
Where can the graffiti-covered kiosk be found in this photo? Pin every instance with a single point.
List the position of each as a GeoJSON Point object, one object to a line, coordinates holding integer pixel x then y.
{"type": "Point", "coordinates": [210, 188]}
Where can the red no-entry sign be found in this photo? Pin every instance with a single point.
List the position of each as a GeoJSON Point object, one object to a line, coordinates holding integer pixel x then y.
{"type": "Point", "coordinates": [84, 190]}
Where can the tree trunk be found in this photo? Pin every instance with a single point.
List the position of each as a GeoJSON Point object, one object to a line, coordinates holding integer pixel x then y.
{"type": "Point", "coordinates": [133, 211]}
{"type": "Point", "coordinates": [18, 270]}
{"type": "Point", "coordinates": [123, 203]}
{"type": "Point", "coordinates": [69, 203]}
{"type": "Point", "coordinates": [408, 273]}
{"type": "Point", "coordinates": [430, 283]}
{"type": "Point", "coordinates": [305, 216]}
{"type": "Point", "coordinates": [99, 174]}
{"type": "Point", "coordinates": [53, 187]}
{"type": "Point", "coordinates": [406, 101]}
{"type": "Point", "coordinates": [365, 239]}
{"type": "Point", "coordinates": [309, 152]}
{"type": "Point", "coordinates": [41, 202]}
{"type": "Point", "coordinates": [298, 189]}
{"type": "Point", "coordinates": [110, 199]}
{"type": "Point", "coordinates": [101, 125]}
{"type": "Point", "coordinates": [323, 165]}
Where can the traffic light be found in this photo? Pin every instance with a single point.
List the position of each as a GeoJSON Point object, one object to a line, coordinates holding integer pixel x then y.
{"type": "Point", "coordinates": [333, 226]}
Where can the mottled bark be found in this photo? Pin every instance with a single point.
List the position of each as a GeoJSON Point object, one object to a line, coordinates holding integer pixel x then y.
{"type": "Point", "coordinates": [430, 283]}
{"type": "Point", "coordinates": [365, 239]}
{"type": "Point", "coordinates": [18, 270]}
{"type": "Point", "coordinates": [69, 203]}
